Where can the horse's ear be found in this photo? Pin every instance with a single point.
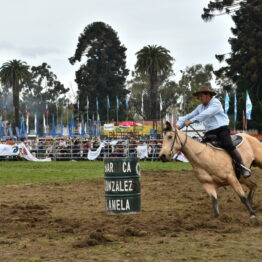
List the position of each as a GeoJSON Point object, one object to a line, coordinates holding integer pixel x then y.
{"type": "Point", "coordinates": [168, 127]}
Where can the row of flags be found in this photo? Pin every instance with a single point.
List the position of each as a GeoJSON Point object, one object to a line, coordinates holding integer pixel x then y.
{"type": "Point", "coordinates": [108, 104]}
{"type": "Point", "coordinates": [90, 127]}
{"type": "Point", "coordinates": [248, 106]}
{"type": "Point", "coordinates": [46, 110]}
{"type": "Point", "coordinates": [160, 103]}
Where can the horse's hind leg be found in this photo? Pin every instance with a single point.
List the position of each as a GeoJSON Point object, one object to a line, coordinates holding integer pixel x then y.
{"type": "Point", "coordinates": [239, 190]}
{"type": "Point", "coordinates": [251, 186]}
{"type": "Point", "coordinates": [211, 191]}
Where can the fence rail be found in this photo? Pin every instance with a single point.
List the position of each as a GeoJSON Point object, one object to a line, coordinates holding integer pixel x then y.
{"type": "Point", "coordinates": [78, 150]}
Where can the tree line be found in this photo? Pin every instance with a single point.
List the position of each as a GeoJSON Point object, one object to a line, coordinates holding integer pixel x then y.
{"type": "Point", "coordinates": [102, 73]}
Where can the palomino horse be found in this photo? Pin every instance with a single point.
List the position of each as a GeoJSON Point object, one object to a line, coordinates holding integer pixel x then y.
{"type": "Point", "coordinates": [213, 167]}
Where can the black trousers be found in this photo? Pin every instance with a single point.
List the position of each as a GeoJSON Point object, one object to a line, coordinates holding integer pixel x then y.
{"type": "Point", "coordinates": [223, 135]}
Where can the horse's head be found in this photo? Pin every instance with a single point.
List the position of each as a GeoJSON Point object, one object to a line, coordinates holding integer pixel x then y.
{"type": "Point", "coordinates": [169, 146]}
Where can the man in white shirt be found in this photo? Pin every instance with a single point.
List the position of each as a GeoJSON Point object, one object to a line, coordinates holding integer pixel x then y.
{"type": "Point", "coordinates": [211, 113]}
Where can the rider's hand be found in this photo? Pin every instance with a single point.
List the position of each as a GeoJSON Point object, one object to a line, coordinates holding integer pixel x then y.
{"type": "Point", "coordinates": [178, 127]}
{"type": "Point", "coordinates": [188, 123]}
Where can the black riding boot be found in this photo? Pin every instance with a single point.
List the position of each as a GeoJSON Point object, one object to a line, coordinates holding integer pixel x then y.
{"type": "Point", "coordinates": [245, 172]}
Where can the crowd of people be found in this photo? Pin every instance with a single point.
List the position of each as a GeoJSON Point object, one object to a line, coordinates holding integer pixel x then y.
{"type": "Point", "coordinates": [78, 148]}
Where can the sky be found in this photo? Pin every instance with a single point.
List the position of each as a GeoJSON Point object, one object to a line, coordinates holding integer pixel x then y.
{"type": "Point", "coordinates": [37, 31]}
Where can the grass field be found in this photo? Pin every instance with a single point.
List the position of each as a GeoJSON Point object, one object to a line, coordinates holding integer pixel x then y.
{"type": "Point", "coordinates": [55, 212]}
{"type": "Point", "coordinates": [44, 172]}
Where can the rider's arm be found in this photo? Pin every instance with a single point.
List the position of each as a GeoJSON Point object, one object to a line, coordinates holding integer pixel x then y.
{"type": "Point", "coordinates": [212, 109]}
{"type": "Point", "coordinates": [182, 120]}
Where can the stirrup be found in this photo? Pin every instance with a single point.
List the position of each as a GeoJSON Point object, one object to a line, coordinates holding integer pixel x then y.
{"type": "Point", "coordinates": [246, 172]}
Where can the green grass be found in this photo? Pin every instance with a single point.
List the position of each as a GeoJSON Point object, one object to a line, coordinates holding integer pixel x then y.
{"type": "Point", "coordinates": [47, 172]}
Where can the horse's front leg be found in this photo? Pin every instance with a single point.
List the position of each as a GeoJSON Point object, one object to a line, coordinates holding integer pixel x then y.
{"type": "Point", "coordinates": [239, 190]}
{"type": "Point", "coordinates": [211, 191]}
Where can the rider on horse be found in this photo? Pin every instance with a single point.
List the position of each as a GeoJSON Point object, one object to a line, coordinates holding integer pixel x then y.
{"type": "Point", "coordinates": [211, 113]}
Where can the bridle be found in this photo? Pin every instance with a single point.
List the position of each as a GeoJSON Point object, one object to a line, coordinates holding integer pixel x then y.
{"type": "Point", "coordinates": [176, 136]}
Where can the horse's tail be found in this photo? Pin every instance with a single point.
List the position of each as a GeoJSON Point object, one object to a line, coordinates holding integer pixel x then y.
{"type": "Point", "coordinates": [257, 149]}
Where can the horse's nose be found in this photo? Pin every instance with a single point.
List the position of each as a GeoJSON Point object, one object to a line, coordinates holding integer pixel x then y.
{"type": "Point", "coordinates": [163, 158]}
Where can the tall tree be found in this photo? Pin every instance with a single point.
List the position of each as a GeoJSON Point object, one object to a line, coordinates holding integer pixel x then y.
{"type": "Point", "coordinates": [104, 71]}
{"type": "Point", "coordinates": [169, 90]}
{"type": "Point", "coordinates": [44, 88]}
{"type": "Point", "coordinates": [15, 74]}
{"type": "Point", "coordinates": [154, 61]}
{"type": "Point", "coordinates": [244, 63]}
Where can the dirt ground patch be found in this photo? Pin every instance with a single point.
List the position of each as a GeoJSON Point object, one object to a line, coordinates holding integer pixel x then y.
{"type": "Point", "coordinates": [67, 222]}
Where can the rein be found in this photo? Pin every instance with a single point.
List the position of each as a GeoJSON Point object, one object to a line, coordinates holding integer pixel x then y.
{"type": "Point", "coordinates": [197, 132]}
{"type": "Point", "coordinates": [175, 137]}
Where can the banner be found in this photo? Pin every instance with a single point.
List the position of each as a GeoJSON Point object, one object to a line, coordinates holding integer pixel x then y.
{"type": "Point", "coordinates": [109, 127]}
{"type": "Point", "coordinates": [92, 155]}
{"type": "Point", "coordinates": [8, 150]}
{"type": "Point", "coordinates": [142, 151]}
{"type": "Point", "coordinates": [26, 154]}
{"type": "Point", "coordinates": [179, 156]}
{"type": "Point", "coordinates": [21, 150]}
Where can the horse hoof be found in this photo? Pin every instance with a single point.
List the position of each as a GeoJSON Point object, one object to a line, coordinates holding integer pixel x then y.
{"type": "Point", "coordinates": [252, 216]}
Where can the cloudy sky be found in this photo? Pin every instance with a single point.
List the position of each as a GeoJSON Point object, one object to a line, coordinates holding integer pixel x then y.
{"type": "Point", "coordinates": [37, 31]}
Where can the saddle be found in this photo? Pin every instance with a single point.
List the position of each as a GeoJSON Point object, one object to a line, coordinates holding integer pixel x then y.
{"type": "Point", "coordinates": [214, 142]}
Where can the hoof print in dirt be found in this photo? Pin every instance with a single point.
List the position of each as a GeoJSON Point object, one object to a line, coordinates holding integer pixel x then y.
{"type": "Point", "coordinates": [95, 238]}
{"type": "Point", "coordinates": [135, 232]}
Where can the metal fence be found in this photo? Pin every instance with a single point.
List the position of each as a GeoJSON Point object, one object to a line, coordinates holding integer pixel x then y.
{"type": "Point", "coordinates": [70, 150]}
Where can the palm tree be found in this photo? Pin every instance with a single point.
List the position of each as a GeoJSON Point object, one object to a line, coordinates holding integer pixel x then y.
{"type": "Point", "coordinates": [14, 74]}
{"type": "Point", "coordinates": [155, 62]}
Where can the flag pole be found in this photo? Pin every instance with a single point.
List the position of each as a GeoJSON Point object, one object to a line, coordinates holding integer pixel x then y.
{"type": "Point", "coordinates": [235, 109]}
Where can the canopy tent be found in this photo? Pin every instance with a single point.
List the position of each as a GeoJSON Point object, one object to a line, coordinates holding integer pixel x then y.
{"type": "Point", "coordinates": [127, 124]}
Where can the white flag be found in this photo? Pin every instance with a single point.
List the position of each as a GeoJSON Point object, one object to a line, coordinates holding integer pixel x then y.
{"type": "Point", "coordinates": [248, 107]}
{"type": "Point", "coordinates": [161, 103]}
{"type": "Point", "coordinates": [36, 125]}
{"type": "Point", "coordinates": [44, 124]}
{"type": "Point", "coordinates": [142, 104]}
{"type": "Point", "coordinates": [27, 123]}
{"type": "Point", "coordinates": [87, 103]}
